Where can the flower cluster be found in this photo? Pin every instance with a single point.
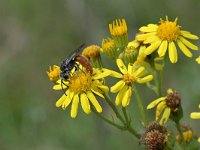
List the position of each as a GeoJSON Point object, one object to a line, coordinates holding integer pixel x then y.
{"type": "Point", "coordinates": [84, 78]}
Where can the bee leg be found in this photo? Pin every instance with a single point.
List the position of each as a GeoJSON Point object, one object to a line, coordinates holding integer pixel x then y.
{"type": "Point", "coordinates": [78, 68]}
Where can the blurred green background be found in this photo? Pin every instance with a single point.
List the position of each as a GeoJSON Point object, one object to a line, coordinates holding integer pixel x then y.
{"type": "Point", "coordinates": [37, 33]}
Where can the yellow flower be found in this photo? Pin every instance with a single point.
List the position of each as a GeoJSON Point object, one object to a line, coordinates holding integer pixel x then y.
{"type": "Point", "coordinates": [198, 60]}
{"type": "Point", "coordinates": [54, 74]}
{"type": "Point", "coordinates": [83, 87]}
{"type": "Point", "coordinates": [118, 27]}
{"type": "Point", "coordinates": [109, 47]}
{"type": "Point", "coordinates": [167, 105]}
{"type": "Point", "coordinates": [129, 76]}
{"type": "Point", "coordinates": [92, 51]}
{"type": "Point", "coordinates": [119, 31]}
{"type": "Point", "coordinates": [163, 37]}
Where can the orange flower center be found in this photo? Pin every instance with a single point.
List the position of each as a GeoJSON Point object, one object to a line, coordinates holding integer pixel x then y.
{"type": "Point", "coordinates": [168, 30]}
{"type": "Point", "coordinates": [80, 82]}
{"type": "Point", "coordinates": [128, 79]}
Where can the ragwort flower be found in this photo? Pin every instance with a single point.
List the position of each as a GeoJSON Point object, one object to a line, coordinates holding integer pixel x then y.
{"type": "Point", "coordinates": [83, 87]}
{"type": "Point", "coordinates": [119, 31]}
{"type": "Point", "coordinates": [129, 76]}
{"type": "Point", "coordinates": [167, 104]}
{"type": "Point", "coordinates": [54, 74]}
{"type": "Point", "coordinates": [109, 47]}
{"type": "Point", "coordinates": [195, 115]}
{"type": "Point", "coordinates": [164, 36]}
{"type": "Point", "coordinates": [91, 52]}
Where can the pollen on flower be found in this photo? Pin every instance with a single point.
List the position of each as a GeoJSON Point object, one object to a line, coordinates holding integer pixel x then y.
{"type": "Point", "coordinates": [168, 30]}
{"type": "Point", "coordinates": [92, 51]}
{"type": "Point", "coordinates": [54, 73]}
{"type": "Point", "coordinates": [80, 82]}
{"type": "Point", "coordinates": [128, 79]}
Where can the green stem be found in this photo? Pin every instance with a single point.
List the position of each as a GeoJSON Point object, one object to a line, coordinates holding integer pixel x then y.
{"type": "Point", "coordinates": [178, 126]}
{"type": "Point", "coordinates": [125, 114]}
{"type": "Point", "coordinates": [141, 108]}
{"type": "Point", "coordinates": [108, 100]}
{"type": "Point", "coordinates": [125, 123]}
{"type": "Point", "coordinates": [160, 78]}
{"type": "Point", "coordinates": [107, 120]}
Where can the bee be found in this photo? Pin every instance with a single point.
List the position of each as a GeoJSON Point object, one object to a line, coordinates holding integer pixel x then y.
{"type": "Point", "coordinates": [71, 62]}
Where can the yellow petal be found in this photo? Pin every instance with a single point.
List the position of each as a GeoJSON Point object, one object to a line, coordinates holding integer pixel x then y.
{"type": "Point", "coordinates": [142, 37]}
{"type": "Point", "coordinates": [61, 100]}
{"type": "Point", "coordinates": [155, 102]}
{"type": "Point", "coordinates": [127, 97]}
{"type": "Point", "coordinates": [85, 103]}
{"type": "Point", "coordinates": [189, 35]}
{"type": "Point", "coordinates": [117, 87]}
{"type": "Point", "coordinates": [163, 48]}
{"type": "Point", "coordinates": [173, 56]}
{"type": "Point", "coordinates": [198, 60]}
{"type": "Point", "coordinates": [188, 44]}
{"type": "Point", "coordinates": [195, 115]}
{"type": "Point", "coordinates": [165, 116]}
{"type": "Point", "coordinates": [198, 139]}
{"type": "Point", "coordinates": [161, 106]}
{"type": "Point", "coordinates": [151, 39]}
{"type": "Point", "coordinates": [102, 74]}
{"type": "Point", "coordinates": [74, 107]}
{"type": "Point", "coordinates": [116, 74]}
{"type": "Point", "coordinates": [97, 92]}
{"type": "Point", "coordinates": [149, 28]}
{"type": "Point", "coordinates": [139, 72]}
{"type": "Point", "coordinates": [94, 101]}
{"type": "Point", "coordinates": [59, 87]}
{"type": "Point", "coordinates": [121, 66]}
{"type": "Point", "coordinates": [184, 49]}
{"type": "Point", "coordinates": [169, 91]}
{"type": "Point", "coordinates": [103, 88]}
{"type": "Point", "coordinates": [130, 68]}
{"type": "Point", "coordinates": [150, 49]}
{"type": "Point", "coordinates": [144, 79]}
{"type": "Point", "coordinates": [120, 95]}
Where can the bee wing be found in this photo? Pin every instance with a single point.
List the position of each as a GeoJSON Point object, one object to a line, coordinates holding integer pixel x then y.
{"type": "Point", "coordinates": [74, 53]}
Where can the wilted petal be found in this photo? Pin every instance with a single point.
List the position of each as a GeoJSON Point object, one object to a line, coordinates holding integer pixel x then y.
{"type": "Point", "coordinates": [165, 116]}
{"type": "Point", "coordinates": [161, 106]}
{"type": "Point", "coordinates": [155, 102]}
